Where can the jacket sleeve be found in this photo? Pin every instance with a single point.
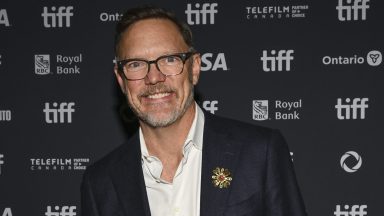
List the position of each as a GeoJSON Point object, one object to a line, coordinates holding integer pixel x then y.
{"type": "Point", "coordinates": [283, 197]}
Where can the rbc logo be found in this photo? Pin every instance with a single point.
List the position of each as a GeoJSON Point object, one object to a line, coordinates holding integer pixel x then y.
{"type": "Point", "coordinates": [210, 63]}
{"type": "Point", "coordinates": [270, 62]}
{"type": "Point", "coordinates": [357, 104]}
{"type": "Point", "coordinates": [193, 16]}
{"type": "Point", "coordinates": [42, 64]}
{"type": "Point", "coordinates": [65, 211]}
{"type": "Point", "coordinates": [358, 7]}
{"type": "Point", "coordinates": [4, 17]}
{"type": "Point", "coordinates": [60, 115]}
{"type": "Point", "coordinates": [347, 155]}
{"type": "Point", "coordinates": [355, 210]}
{"type": "Point", "coordinates": [57, 19]}
{"type": "Point", "coordinates": [260, 110]}
{"type": "Point", "coordinates": [211, 106]}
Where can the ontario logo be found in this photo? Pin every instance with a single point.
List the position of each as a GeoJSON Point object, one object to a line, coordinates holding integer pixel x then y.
{"type": "Point", "coordinates": [260, 110]}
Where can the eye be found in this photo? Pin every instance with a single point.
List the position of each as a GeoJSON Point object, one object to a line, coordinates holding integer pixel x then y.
{"type": "Point", "coordinates": [171, 60]}
{"type": "Point", "coordinates": [135, 65]}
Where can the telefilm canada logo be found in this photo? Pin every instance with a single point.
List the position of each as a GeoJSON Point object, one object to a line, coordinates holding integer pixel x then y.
{"type": "Point", "coordinates": [348, 158]}
{"type": "Point", "coordinates": [373, 58]}
{"type": "Point", "coordinates": [62, 164]}
{"type": "Point", "coordinates": [276, 12]}
{"type": "Point", "coordinates": [276, 110]}
{"type": "Point", "coordinates": [58, 64]}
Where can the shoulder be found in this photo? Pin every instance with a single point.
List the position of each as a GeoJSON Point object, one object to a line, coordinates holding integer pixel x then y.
{"type": "Point", "coordinates": [236, 129]}
{"type": "Point", "coordinates": [247, 138]}
{"type": "Point", "coordinates": [113, 159]}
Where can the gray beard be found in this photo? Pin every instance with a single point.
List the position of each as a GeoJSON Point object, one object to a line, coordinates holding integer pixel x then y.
{"type": "Point", "coordinates": [172, 118]}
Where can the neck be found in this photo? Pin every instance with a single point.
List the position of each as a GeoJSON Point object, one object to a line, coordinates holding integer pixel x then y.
{"type": "Point", "coordinates": [166, 143]}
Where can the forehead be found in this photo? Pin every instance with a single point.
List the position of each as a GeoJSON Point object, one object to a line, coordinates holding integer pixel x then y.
{"type": "Point", "coordinates": [150, 38]}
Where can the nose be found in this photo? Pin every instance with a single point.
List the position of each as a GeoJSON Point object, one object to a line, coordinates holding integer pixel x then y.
{"type": "Point", "coordinates": [154, 75]}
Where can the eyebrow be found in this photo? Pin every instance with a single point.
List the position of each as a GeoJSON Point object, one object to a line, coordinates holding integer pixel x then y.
{"type": "Point", "coordinates": [163, 54]}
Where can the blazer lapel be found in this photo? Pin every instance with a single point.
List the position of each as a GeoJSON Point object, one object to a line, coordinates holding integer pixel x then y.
{"type": "Point", "coordinates": [128, 180]}
{"type": "Point", "coordinates": [218, 151]}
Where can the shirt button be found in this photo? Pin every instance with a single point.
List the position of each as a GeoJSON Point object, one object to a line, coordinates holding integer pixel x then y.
{"type": "Point", "coordinates": [176, 211]}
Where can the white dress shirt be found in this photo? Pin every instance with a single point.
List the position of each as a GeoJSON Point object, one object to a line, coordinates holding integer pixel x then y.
{"type": "Point", "coordinates": [182, 196]}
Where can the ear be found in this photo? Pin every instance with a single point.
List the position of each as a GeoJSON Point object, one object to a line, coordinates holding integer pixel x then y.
{"type": "Point", "coordinates": [196, 66]}
{"type": "Point", "coordinates": [120, 79]}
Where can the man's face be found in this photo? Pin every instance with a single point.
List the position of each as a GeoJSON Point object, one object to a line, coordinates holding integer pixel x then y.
{"type": "Point", "coordinates": [157, 100]}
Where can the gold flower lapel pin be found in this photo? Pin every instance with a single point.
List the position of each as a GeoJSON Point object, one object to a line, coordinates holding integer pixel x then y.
{"type": "Point", "coordinates": [221, 177]}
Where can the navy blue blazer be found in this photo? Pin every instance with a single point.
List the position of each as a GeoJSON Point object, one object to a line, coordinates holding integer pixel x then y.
{"type": "Point", "coordinates": [263, 180]}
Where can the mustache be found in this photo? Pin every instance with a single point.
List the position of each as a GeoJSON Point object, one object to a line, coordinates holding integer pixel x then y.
{"type": "Point", "coordinates": [154, 89]}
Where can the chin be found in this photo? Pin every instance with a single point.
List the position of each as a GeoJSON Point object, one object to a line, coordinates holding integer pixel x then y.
{"type": "Point", "coordinates": [159, 122]}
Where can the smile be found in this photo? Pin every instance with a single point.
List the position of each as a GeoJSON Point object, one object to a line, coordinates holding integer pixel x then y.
{"type": "Point", "coordinates": [158, 95]}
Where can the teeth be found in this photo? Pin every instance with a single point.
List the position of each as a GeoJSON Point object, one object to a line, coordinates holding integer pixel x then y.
{"type": "Point", "coordinates": [158, 95]}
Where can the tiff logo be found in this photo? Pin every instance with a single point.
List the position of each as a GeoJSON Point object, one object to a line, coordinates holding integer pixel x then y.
{"type": "Point", "coordinates": [284, 57]}
{"type": "Point", "coordinates": [211, 106]}
{"type": "Point", "coordinates": [63, 114]}
{"type": "Point", "coordinates": [344, 110]}
{"type": "Point", "coordinates": [63, 211]}
{"type": "Point", "coordinates": [194, 15]}
{"type": "Point", "coordinates": [57, 17]}
{"type": "Point", "coordinates": [345, 11]}
{"type": "Point", "coordinates": [4, 17]}
{"type": "Point", "coordinates": [1, 161]}
{"type": "Point", "coordinates": [355, 210]}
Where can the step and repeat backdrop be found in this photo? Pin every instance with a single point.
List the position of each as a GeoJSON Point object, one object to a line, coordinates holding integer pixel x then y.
{"type": "Point", "coordinates": [313, 69]}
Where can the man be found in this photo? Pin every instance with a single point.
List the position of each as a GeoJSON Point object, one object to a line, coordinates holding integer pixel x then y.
{"type": "Point", "coordinates": [183, 161]}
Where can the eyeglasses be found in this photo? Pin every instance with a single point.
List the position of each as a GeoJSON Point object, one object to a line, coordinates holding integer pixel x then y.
{"type": "Point", "coordinates": [169, 65]}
